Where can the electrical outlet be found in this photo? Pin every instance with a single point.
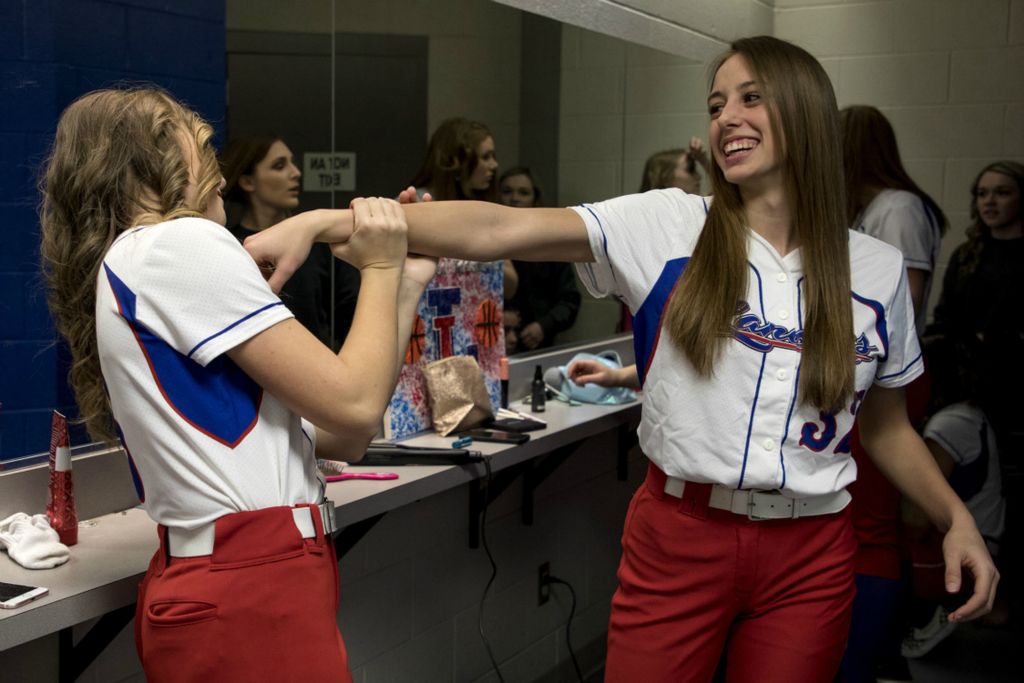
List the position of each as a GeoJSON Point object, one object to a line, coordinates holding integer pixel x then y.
{"type": "Point", "coordinates": [543, 587]}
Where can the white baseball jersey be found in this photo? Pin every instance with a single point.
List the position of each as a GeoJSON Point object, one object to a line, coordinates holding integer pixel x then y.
{"type": "Point", "coordinates": [963, 432]}
{"type": "Point", "coordinates": [902, 219]}
{"type": "Point", "coordinates": [744, 427]}
{"type": "Point", "coordinates": [204, 439]}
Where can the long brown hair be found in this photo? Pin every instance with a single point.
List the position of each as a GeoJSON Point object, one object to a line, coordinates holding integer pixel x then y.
{"type": "Point", "coordinates": [451, 158]}
{"type": "Point", "coordinates": [660, 168]}
{"type": "Point", "coordinates": [805, 122]}
{"type": "Point", "coordinates": [871, 161]}
{"type": "Point", "coordinates": [117, 155]}
{"type": "Point", "coordinates": [978, 234]}
{"type": "Point", "coordinates": [240, 157]}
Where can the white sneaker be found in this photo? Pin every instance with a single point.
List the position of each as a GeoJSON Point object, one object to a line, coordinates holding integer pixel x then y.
{"type": "Point", "coordinates": [920, 641]}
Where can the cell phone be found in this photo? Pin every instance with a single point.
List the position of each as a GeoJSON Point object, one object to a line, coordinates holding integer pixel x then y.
{"type": "Point", "coordinates": [15, 595]}
{"type": "Point", "coordinates": [497, 436]}
{"type": "Point", "coordinates": [516, 424]}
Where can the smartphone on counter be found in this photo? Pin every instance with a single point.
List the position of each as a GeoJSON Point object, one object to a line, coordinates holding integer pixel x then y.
{"type": "Point", "coordinates": [14, 595]}
{"type": "Point", "coordinates": [497, 436]}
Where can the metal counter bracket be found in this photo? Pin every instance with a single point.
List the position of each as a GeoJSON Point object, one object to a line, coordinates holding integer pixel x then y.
{"type": "Point", "coordinates": [533, 471]}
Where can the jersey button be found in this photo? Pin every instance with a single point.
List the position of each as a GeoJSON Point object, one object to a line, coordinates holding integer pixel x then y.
{"type": "Point", "coordinates": [783, 314]}
{"type": "Point", "coordinates": [781, 277]}
{"type": "Point", "coordinates": [781, 375]}
{"type": "Point", "coordinates": [768, 444]}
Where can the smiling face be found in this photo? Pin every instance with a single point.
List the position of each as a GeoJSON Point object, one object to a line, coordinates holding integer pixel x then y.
{"type": "Point", "coordinates": [274, 181]}
{"type": "Point", "coordinates": [997, 199]}
{"type": "Point", "coordinates": [482, 175]}
{"type": "Point", "coordinates": [740, 133]}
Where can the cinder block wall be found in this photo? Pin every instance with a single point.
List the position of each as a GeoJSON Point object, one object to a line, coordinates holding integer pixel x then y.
{"type": "Point", "coordinates": [949, 75]}
{"type": "Point", "coordinates": [411, 589]}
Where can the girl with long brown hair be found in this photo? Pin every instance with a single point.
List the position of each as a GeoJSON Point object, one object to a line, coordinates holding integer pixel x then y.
{"type": "Point", "coordinates": [182, 349]}
{"type": "Point", "coordinates": [460, 162]}
{"type": "Point", "coordinates": [762, 323]}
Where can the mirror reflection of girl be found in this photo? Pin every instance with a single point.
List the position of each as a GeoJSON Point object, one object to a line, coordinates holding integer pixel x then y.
{"type": "Point", "coordinates": [754, 359]}
{"type": "Point", "coordinates": [218, 395]}
{"type": "Point", "coordinates": [461, 163]}
{"type": "Point", "coordinates": [547, 300]}
{"type": "Point", "coordinates": [676, 168]}
{"type": "Point", "coordinates": [264, 182]}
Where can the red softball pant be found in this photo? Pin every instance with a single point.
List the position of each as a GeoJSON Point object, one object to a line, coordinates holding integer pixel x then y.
{"type": "Point", "coordinates": [694, 581]}
{"type": "Point", "coordinates": [261, 608]}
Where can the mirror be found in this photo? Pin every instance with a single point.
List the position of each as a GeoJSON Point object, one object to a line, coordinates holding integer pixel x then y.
{"type": "Point", "coordinates": [582, 109]}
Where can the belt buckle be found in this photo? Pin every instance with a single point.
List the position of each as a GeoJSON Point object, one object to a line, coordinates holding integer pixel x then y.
{"type": "Point", "coordinates": [751, 515]}
{"type": "Point", "coordinates": [750, 508]}
{"type": "Point", "coordinates": [327, 517]}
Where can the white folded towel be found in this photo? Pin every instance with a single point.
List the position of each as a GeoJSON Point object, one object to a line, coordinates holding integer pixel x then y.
{"type": "Point", "coordinates": [31, 542]}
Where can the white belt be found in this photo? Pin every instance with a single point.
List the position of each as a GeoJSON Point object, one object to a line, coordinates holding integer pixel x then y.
{"type": "Point", "coordinates": [199, 541]}
{"type": "Point", "coordinates": [765, 504]}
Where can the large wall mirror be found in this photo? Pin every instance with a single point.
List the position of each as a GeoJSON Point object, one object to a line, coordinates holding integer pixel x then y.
{"type": "Point", "coordinates": [581, 109]}
{"type": "Point", "coordinates": [355, 89]}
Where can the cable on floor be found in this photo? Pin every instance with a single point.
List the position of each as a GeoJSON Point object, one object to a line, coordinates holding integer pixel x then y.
{"type": "Point", "coordinates": [568, 624]}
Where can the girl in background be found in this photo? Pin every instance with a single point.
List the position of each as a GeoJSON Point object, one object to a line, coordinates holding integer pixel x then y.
{"type": "Point", "coordinates": [546, 301]}
{"type": "Point", "coordinates": [460, 163]}
{"type": "Point", "coordinates": [182, 350]}
{"type": "Point", "coordinates": [884, 202]}
{"type": "Point", "coordinates": [675, 168]}
{"type": "Point", "coordinates": [263, 182]}
{"type": "Point", "coordinates": [981, 304]}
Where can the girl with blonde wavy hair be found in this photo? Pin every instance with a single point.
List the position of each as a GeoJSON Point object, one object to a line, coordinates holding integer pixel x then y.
{"type": "Point", "coordinates": [182, 349]}
{"type": "Point", "coordinates": [763, 326]}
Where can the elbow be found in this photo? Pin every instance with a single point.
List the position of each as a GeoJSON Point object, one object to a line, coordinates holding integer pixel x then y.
{"type": "Point", "coordinates": [354, 425]}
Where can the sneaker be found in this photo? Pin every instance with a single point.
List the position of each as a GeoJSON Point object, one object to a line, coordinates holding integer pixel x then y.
{"type": "Point", "coordinates": [920, 641]}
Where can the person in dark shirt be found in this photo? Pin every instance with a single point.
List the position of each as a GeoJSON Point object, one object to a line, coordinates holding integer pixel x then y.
{"type": "Point", "coordinates": [981, 304]}
{"type": "Point", "coordinates": [263, 184]}
{"type": "Point", "coordinates": [981, 292]}
{"type": "Point", "coordinates": [547, 300]}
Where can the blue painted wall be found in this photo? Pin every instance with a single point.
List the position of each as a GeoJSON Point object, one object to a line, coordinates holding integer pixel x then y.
{"type": "Point", "coordinates": [52, 51]}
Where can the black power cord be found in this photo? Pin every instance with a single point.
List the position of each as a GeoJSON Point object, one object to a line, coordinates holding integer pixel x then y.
{"type": "Point", "coordinates": [494, 570]}
{"type": "Point", "coordinates": [568, 624]}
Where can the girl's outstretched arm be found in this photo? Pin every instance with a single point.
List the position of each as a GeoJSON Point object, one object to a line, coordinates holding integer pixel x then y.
{"type": "Point", "coordinates": [478, 231]}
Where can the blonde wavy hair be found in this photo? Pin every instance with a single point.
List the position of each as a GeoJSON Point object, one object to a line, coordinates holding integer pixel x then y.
{"type": "Point", "coordinates": [805, 120]}
{"type": "Point", "coordinates": [119, 158]}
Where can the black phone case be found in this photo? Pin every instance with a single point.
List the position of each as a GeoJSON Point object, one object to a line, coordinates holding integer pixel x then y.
{"type": "Point", "coordinates": [514, 438]}
{"type": "Point", "coordinates": [515, 424]}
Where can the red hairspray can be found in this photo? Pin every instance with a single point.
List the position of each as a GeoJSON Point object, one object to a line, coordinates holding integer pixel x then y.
{"type": "Point", "coordinates": [60, 505]}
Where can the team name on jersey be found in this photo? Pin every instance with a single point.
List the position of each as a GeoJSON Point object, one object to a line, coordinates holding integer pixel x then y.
{"type": "Point", "coordinates": [763, 336]}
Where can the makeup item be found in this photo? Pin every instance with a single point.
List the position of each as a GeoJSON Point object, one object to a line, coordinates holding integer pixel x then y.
{"type": "Point", "coordinates": [503, 376]}
{"type": "Point", "coordinates": [60, 502]}
{"type": "Point", "coordinates": [537, 390]}
{"type": "Point", "coordinates": [375, 476]}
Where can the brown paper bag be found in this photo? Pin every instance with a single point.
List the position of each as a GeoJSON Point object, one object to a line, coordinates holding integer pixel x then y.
{"type": "Point", "coordinates": [458, 396]}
